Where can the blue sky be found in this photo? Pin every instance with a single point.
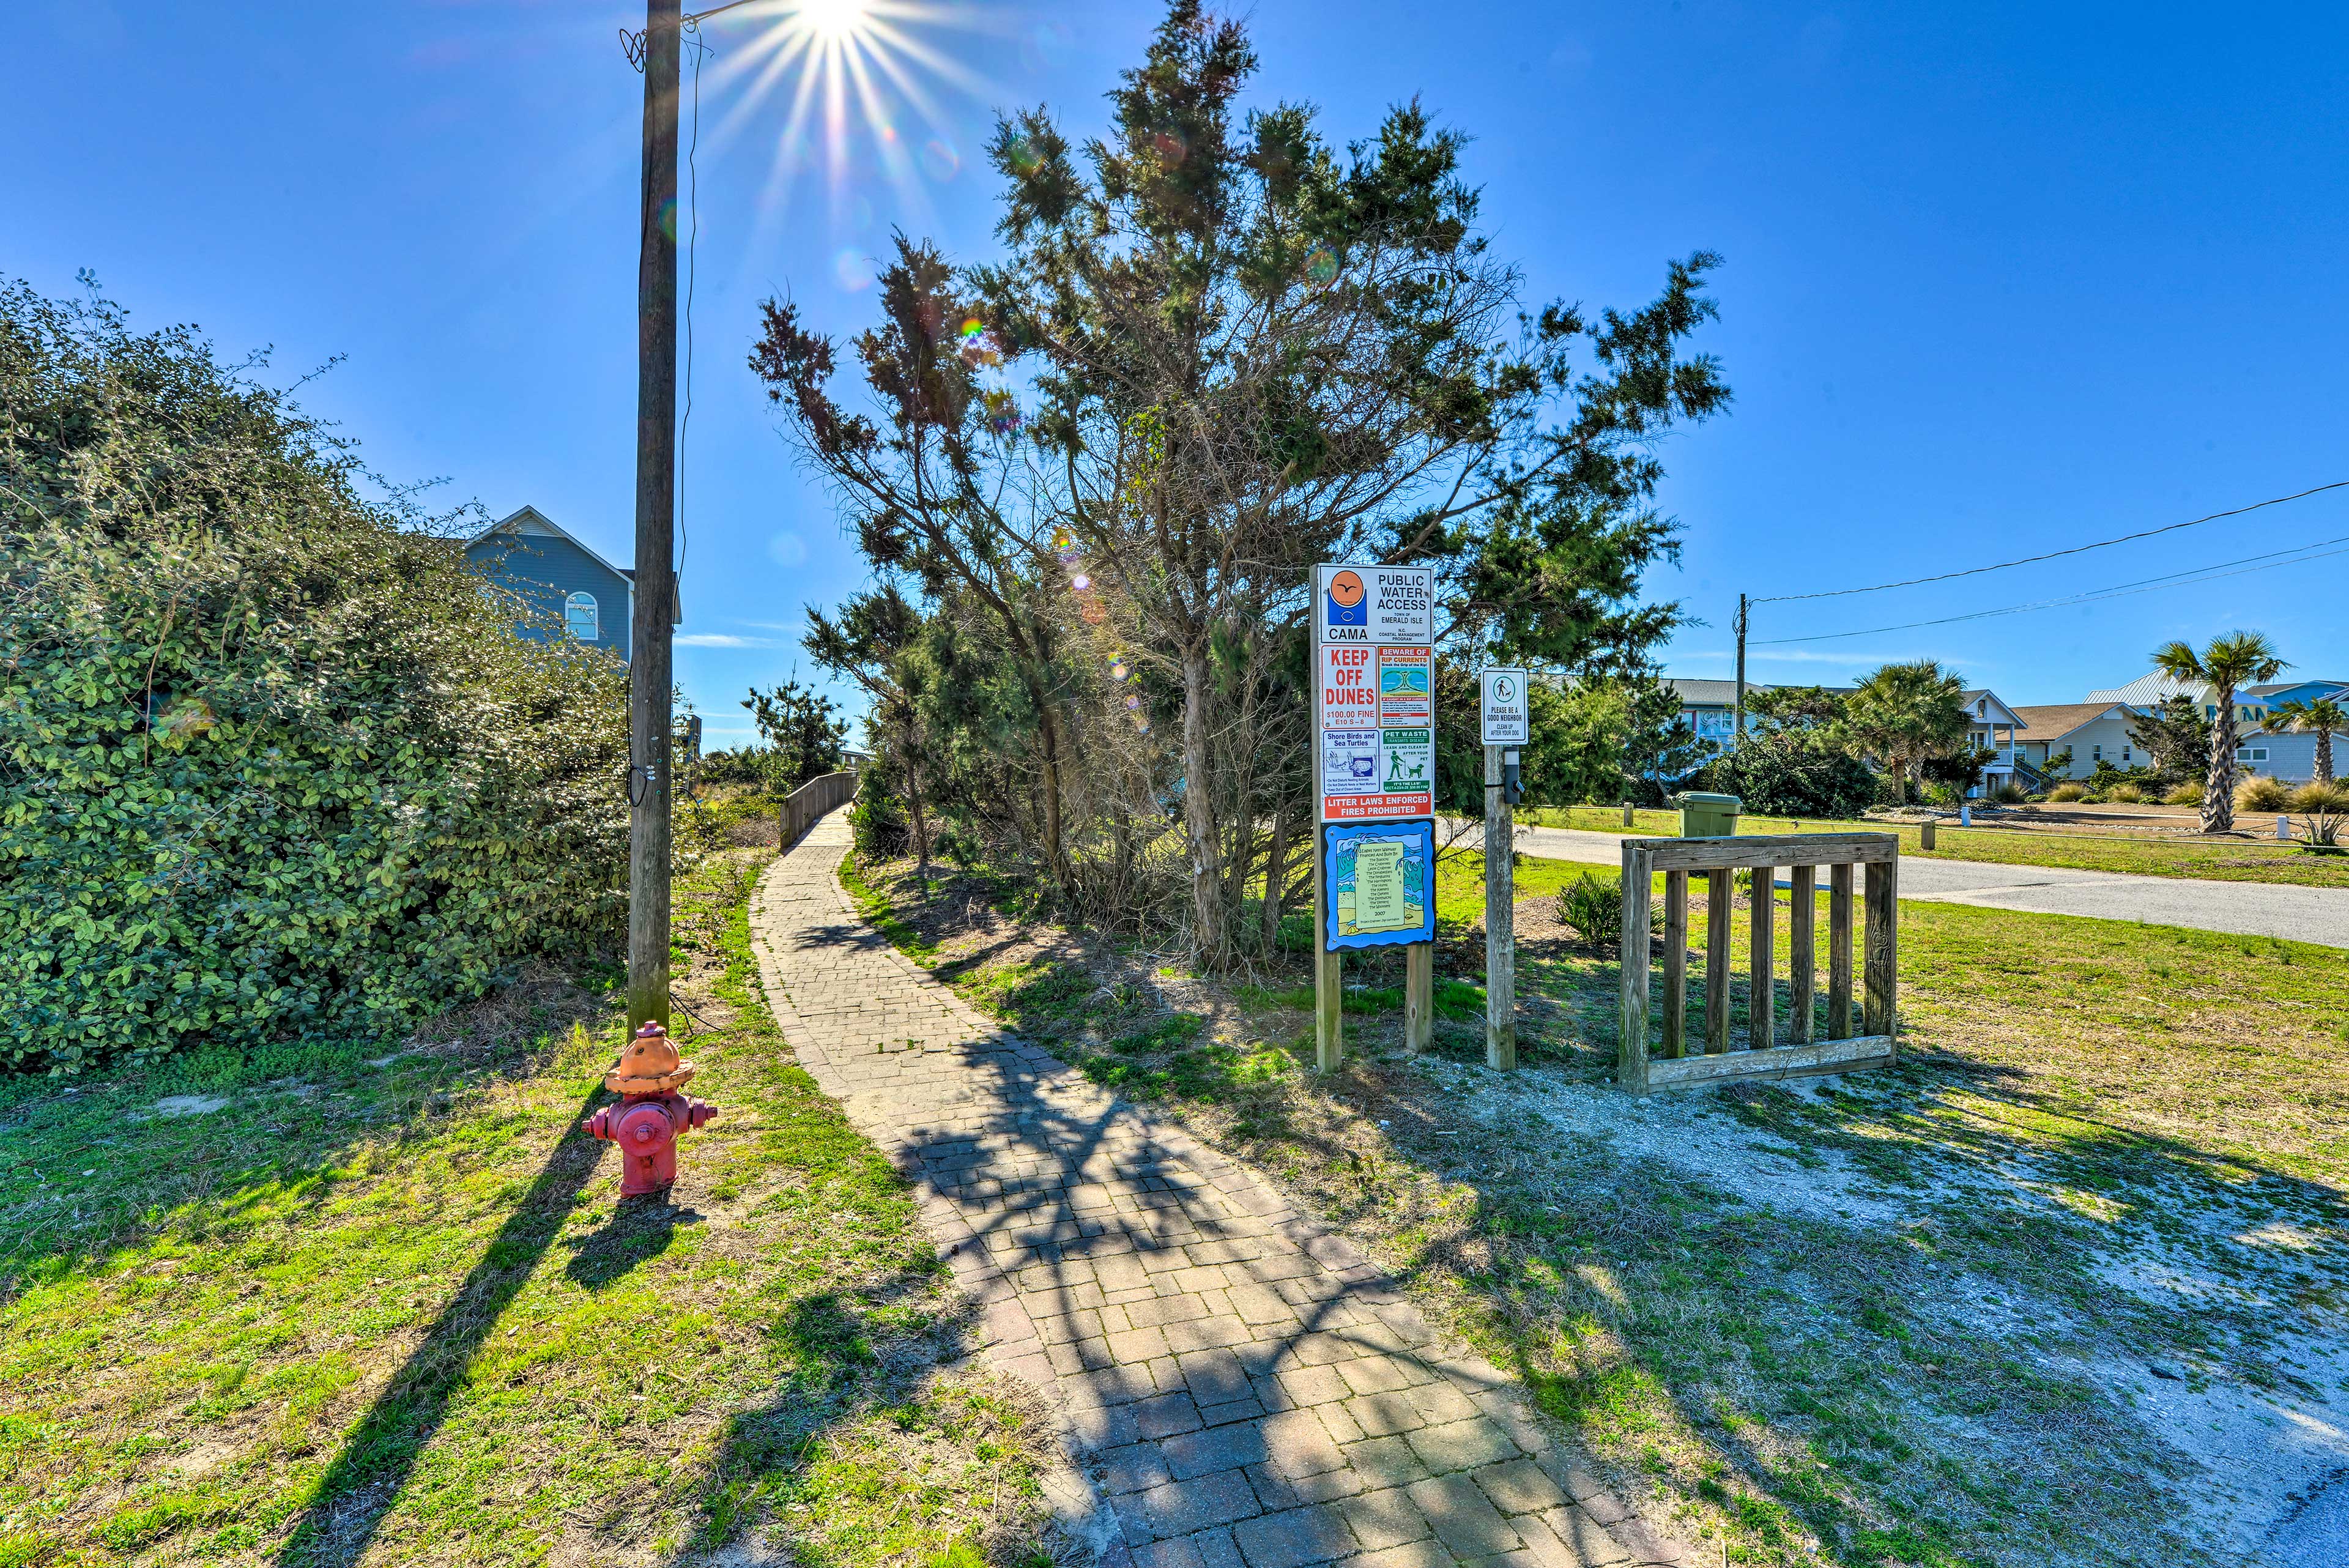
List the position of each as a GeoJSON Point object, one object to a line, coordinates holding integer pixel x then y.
{"type": "Point", "coordinates": [2001, 277]}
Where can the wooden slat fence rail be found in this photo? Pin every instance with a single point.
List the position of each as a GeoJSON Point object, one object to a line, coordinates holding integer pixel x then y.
{"type": "Point", "coordinates": [812, 800]}
{"type": "Point", "coordinates": [1672, 1059]}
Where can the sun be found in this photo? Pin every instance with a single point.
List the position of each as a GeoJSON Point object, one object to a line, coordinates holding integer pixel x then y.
{"type": "Point", "coordinates": [843, 73]}
{"type": "Point", "coordinates": [834, 21]}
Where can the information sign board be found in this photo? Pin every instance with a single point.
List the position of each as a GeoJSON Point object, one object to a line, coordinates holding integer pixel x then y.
{"type": "Point", "coordinates": [1374, 604]}
{"type": "Point", "coordinates": [1505, 713]}
{"type": "Point", "coordinates": [1381, 883]}
{"type": "Point", "coordinates": [1374, 691]}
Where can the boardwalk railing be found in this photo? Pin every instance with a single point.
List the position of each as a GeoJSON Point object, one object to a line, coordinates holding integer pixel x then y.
{"type": "Point", "coordinates": [1673, 1060]}
{"type": "Point", "coordinates": [812, 800]}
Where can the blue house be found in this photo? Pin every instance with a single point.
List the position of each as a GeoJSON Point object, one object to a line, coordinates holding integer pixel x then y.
{"type": "Point", "coordinates": [592, 599]}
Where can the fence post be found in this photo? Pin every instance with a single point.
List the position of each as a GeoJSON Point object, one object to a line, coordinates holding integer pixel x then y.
{"type": "Point", "coordinates": [1881, 1013]}
{"type": "Point", "coordinates": [1632, 1049]}
{"type": "Point", "coordinates": [1419, 997]}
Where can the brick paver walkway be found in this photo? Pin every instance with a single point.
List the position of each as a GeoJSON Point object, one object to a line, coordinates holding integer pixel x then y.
{"type": "Point", "coordinates": [1238, 1386]}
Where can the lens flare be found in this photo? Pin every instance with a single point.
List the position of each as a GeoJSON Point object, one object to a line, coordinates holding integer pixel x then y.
{"type": "Point", "coordinates": [1080, 582]}
{"type": "Point", "coordinates": [855, 83]}
{"type": "Point", "coordinates": [854, 268]}
{"type": "Point", "coordinates": [1321, 265]}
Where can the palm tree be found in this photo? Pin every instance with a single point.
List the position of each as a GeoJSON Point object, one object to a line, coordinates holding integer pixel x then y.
{"type": "Point", "coordinates": [1906, 713]}
{"type": "Point", "coordinates": [2323, 715]}
{"type": "Point", "coordinates": [2235, 660]}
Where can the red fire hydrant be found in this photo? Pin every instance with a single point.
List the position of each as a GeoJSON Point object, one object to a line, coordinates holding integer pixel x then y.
{"type": "Point", "coordinates": [651, 1116]}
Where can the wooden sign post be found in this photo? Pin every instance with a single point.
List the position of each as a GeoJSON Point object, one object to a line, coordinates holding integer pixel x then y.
{"type": "Point", "coordinates": [1374, 787]}
{"type": "Point", "coordinates": [1505, 720]}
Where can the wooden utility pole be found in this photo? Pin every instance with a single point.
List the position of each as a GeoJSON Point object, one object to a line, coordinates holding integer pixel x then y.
{"type": "Point", "coordinates": [1737, 721]}
{"type": "Point", "coordinates": [656, 588]}
{"type": "Point", "coordinates": [1500, 919]}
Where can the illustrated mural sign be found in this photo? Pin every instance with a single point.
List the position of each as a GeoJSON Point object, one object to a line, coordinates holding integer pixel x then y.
{"type": "Point", "coordinates": [1374, 699]}
{"type": "Point", "coordinates": [1380, 883]}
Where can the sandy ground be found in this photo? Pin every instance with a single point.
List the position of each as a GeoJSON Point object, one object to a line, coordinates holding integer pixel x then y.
{"type": "Point", "coordinates": [2273, 1469]}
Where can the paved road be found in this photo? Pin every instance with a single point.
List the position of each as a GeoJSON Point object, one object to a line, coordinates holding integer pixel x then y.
{"type": "Point", "coordinates": [2249, 908]}
{"type": "Point", "coordinates": [1238, 1384]}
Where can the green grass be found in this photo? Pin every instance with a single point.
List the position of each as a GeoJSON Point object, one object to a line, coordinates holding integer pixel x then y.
{"type": "Point", "coordinates": [2217, 859]}
{"type": "Point", "coordinates": [1905, 1372]}
{"type": "Point", "coordinates": [1460, 886]}
{"type": "Point", "coordinates": [396, 1305]}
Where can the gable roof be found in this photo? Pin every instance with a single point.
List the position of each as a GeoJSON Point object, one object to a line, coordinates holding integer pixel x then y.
{"type": "Point", "coordinates": [1980, 694]}
{"type": "Point", "coordinates": [525, 514]}
{"type": "Point", "coordinates": [2059, 720]}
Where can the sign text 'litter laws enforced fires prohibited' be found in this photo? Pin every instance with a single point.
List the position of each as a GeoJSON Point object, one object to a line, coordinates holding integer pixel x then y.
{"type": "Point", "coordinates": [1374, 706]}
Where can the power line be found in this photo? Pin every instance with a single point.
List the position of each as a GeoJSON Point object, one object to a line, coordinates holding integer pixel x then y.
{"type": "Point", "coordinates": [2051, 555]}
{"type": "Point", "coordinates": [2213, 573]}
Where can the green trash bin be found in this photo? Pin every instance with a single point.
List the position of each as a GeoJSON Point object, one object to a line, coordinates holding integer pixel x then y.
{"type": "Point", "coordinates": [1706, 816]}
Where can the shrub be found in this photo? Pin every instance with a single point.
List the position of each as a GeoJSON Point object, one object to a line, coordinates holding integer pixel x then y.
{"type": "Point", "coordinates": [2323, 809]}
{"type": "Point", "coordinates": [2126, 794]}
{"type": "Point", "coordinates": [2009, 794]}
{"type": "Point", "coordinates": [1591, 907]}
{"type": "Point", "coordinates": [2320, 797]}
{"type": "Point", "coordinates": [2184, 794]}
{"type": "Point", "coordinates": [878, 817]}
{"type": "Point", "coordinates": [2068, 792]}
{"type": "Point", "coordinates": [273, 763]}
{"type": "Point", "coordinates": [2261, 794]}
{"type": "Point", "coordinates": [1938, 793]}
{"type": "Point", "coordinates": [1792, 773]}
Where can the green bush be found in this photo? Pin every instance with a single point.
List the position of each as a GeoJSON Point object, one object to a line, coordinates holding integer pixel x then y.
{"type": "Point", "coordinates": [1792, 773]}
{"type": "Point", "coordinates": [274, 765]}
{"type": "Point", "coordinates": [878, 817]}
{"type": "Point", "coordinates": [1591, 907]}
{"type": "Point", "coordinates": [2184, 794]}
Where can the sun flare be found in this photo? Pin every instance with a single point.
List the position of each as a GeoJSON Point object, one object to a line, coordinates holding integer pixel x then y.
{"type": "Point", "coordinates": [835, 20]}
{"type": "Point", "coordinates": [856, 76]}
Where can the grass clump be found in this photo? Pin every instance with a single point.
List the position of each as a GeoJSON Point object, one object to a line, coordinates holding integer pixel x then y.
{"type": "Point", "coordinates": [2262, 794]}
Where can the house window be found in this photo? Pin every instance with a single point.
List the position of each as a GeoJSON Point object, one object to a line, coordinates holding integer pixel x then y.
{"type": "Point", "coordinates": [2124, 753]}
{"type": "Point", "coordinates": [580, 619]}
{"type": "Point", "coordinates": [2251, 753]}
{"type": "Point", "coordinates": [2095, 754]}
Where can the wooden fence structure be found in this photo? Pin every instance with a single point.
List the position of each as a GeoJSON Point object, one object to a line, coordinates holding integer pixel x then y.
{"type": "Point", "coordinates": [812, 800]}
{"type": "Point", "coordinates": [1676, 1060]}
